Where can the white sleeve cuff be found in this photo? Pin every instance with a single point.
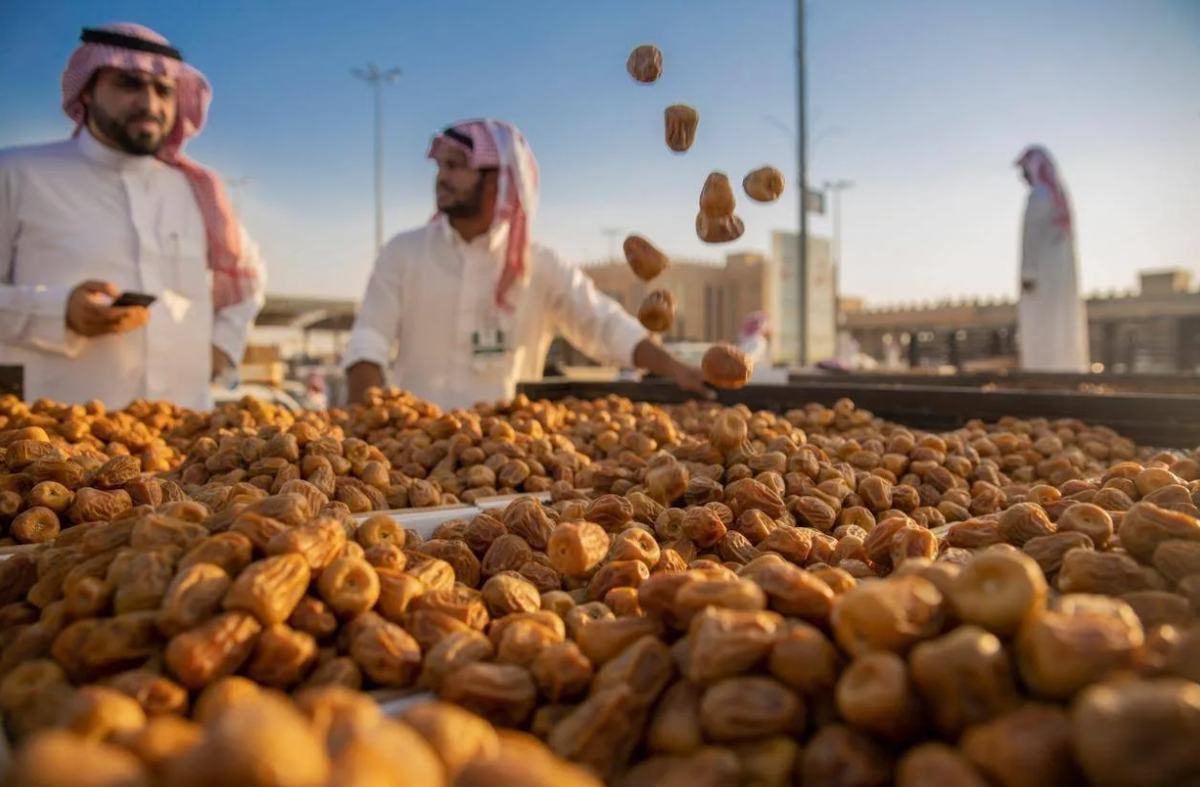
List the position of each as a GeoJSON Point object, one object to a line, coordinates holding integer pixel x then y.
{"type": "Point", "coordinates": [230, 338]}
{"type": "Point", "coordinates": [627, 334]}
{"type": "Point", "coordinates": [367, 346]}
{"type": "Point", "coordinates": [45, 321]}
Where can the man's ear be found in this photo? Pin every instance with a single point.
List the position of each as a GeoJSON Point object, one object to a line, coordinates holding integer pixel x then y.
{"type": "Point", "coordinates": [491, 181]}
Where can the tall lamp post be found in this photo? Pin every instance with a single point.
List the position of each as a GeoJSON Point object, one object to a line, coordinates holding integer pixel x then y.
{"type": "Point", "coordinates": [802, 162]}
{"type": "Point", "coordinates": [835, 188]}
{"type": "Point", "coordinates": [377, 78]}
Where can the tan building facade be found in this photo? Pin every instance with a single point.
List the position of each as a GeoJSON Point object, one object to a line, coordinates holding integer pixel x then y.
{"type": "Point", "coordinates": [1153, 329]}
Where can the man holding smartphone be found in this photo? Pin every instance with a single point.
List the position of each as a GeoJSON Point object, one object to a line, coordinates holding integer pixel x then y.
{"type": "Point", "coordinates": [124, 273]}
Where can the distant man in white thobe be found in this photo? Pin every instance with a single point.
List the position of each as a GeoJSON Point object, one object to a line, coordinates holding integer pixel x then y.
{"type": "Point", "coordinates": [754, 339]}
{"type": "Point", "coordinates": [462, 309]}
{"type": "Point", "coordinates": [118, 208]}
{"type": "Point", "coordinates": [1051, 317]}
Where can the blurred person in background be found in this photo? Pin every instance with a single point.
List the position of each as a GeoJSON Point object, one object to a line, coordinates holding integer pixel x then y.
{"type": "Point", "coordinates": [1051, 317]}
{"type": "Point", "coordinates": [754, 339]}
{"type": "Point", "coordinates": [118, 208]}
{"type": "Point", "coordinates": [314, 390]}
{"type": "Point", "coordinates": [462, 309]}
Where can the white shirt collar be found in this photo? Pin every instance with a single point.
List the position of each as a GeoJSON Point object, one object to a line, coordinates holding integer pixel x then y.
{"type": "Point", "coordinates": [110, 158]}
{"type": "Point", "coordinates": [493, 240]}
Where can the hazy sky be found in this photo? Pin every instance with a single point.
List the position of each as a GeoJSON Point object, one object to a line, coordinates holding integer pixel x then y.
{"type": "Point", "coordinates": [923, 103]}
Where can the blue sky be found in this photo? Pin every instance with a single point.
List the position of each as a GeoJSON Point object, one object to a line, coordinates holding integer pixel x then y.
{"type": "Point", "coordinates": [923, 103]}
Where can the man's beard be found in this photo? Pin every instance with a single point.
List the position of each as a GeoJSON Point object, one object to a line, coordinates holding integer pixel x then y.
{"type": "Point", "coordinates": [467, 207]}
{"type": "Point", "coordinates": [145, 143]}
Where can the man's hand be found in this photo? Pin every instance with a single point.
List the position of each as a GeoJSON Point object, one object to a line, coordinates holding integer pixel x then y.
{"type": "Point", "coordinates": [360, 377]}
{"type": "Point", "coordinates": [691, 379]}
{"type": "Point", "coordinates": [90, 311]}
{"type": "Point", "coordinates": [220, 361]}
{"type": "Point", "coordinates": [651, 356]}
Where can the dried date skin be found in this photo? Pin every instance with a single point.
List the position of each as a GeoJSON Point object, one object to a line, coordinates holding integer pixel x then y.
{"type": "Point", "coordinates": [230, 551]}
{"type": "Point", "coordinates": [875, 694]}
{"type": "Point", "coordinates": [397, 591]}
{"type": "Point", "coordinates": [349, 586]}
{"type": "Point", "coordinates": [99, 712]}
{"type": "Point", "coordinates": [458, 737]}
{"type": "Point", "coordinates": [270, 588]}
{"type": "Point", "coordinates": [804, 659]}
{"type": "Point", "coordinates": [795, 592]}
{"type": "Point", "coordinates": [157, 694]}
{"type": "Point", "coordinates": [454, 652]}
{"type": "Point", "coordinates": [503, 694]}
{"type": "Point", "coordinates": [576, 548]}
{"type": "Point", "coordinates": [602, 732]}
{"type": "Point", "coordinates": [965, 678]}
{"type": "Point", "coordinates": [749, 708]}
{"type": "Point", "coordinates": [156, 531]}
{"type": "Point", "coordinates": [387, 654]}
{"type": "Point", "coordinates": [1049, 551]}
{"type": "Point", "coordinates": [603, 640]}
{"type": "Point", "coordinates": [999, 591]}
{"type": "Point", "coordinates": [341, 672]}
{"type": "Point", "coordinates": [18, 574]}
{"type": "Point", "coordinates": [35, 526]}
{"type": "Point", "coordinates": [504, 594]}
{"type": "Point", "coordinates": [526, 518]}
{"type": "Point", "coordinates": [1028, 746]}
{"type": "Point", "coordinates": [841, 755]}
{"type": "Point", "coordinates": [1137, 733]}
{"type": "Point", "coordinates": [733, 593]}
{"type": "Point", "coordinates": [891, 615]}
{"type": "Point", "coordinates": [1145, 526]}
{"type": "Point", "coordinates": [726, 643]}
{"type": "Point", "coordinates": [615, 574]}
{"type": "Point", "coordinates": [313, 617]}
{"type": "Point", "coordinates": [935, 764]}
{"type": "Point", "coordinates": [281, 657]}
{"type": "Point", "coordinates": [320, 541]}
{"type": "Point", "coordinates": [1106, 573]}
{"type": "Point", "coordinates": [195, 595]}
{"type": "Point", "coordinates": [141, 578]}
{"type": "Point", "coordinates": [1059, 652]}
{"type": "Point", "coordinates": [507, 553]}
{"type": "Point", "coordinates": [562, 673]}
{"type": "Point", "coordinates": [702, 526]}
{"type": "Point", "coordinates": [213, 650]}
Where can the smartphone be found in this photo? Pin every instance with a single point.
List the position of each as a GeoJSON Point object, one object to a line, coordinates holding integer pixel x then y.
{"type": "Point", "coordinates": [134, 299]}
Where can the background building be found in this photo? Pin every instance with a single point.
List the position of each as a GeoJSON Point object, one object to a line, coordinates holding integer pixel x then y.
{"type": "Point", "coordinates": [1153, 329]}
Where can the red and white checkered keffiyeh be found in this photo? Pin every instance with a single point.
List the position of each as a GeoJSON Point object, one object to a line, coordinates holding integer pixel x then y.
{"type": "Point", "coordinates": [1040, 169]}
{"type": "Point", "coordinates": [756, 323]}
{"type": "Point", "coordinates": [499, 145]}
{"type": "Point", "coordinates": [231, 279]}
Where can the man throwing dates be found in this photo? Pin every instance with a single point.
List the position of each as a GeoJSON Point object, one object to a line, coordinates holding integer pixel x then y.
{"type": "Point", "coordinates": [463, 308]}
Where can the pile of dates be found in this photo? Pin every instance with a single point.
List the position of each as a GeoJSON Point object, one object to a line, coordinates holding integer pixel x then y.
{"type": "Point", "coordinates": [245, 735]}
{"type": "Point", "coordinates": [711, 596]}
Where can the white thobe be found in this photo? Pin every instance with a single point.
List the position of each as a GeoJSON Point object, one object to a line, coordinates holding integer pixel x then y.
{"type": "Point", "coordinates": [1051, 320]}
{"type": "Point", "coordinates": [428, 317]}
{"type": "Point", "coordinates": [76, 210]}
{"type": "Point", "coordinates": [756, 348]}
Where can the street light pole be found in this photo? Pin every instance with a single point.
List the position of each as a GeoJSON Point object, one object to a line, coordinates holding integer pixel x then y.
{"type": "Point", "coordinates": [612, 233]}
{"type": "Point", "coordinates": [377, 78]}
{"type": "Point", "coordinates": [802, 156]}
{"type": "Point", "coordinates": [835, 188]}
